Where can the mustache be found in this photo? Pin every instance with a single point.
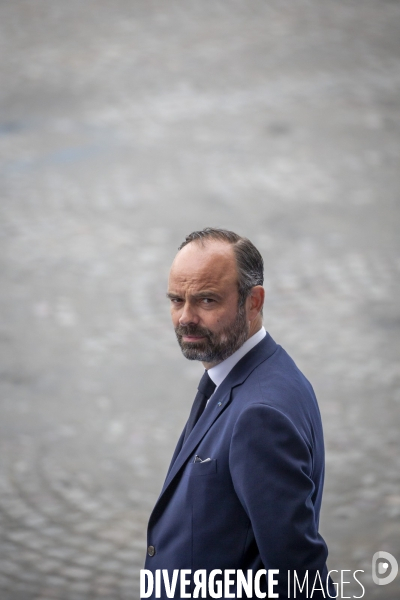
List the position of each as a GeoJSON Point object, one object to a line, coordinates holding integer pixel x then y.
{"type": "Point", "coordinates": [192, 329]}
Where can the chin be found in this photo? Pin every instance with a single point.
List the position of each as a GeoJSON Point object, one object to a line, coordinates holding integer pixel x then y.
{"type": "Point", "coordinates": [194, 355]}
{"type": "Point", "coordinates": [193, 351]}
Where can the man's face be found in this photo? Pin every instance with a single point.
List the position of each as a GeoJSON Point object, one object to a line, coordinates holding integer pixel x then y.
{"type": "Point", "coordinates": [203, 291]}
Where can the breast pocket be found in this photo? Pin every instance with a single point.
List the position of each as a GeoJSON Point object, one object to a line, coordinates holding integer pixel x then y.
{"type": "Point", "coordinates": [200, 469]}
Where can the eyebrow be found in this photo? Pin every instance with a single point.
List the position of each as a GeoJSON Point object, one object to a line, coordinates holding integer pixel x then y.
{"type": "Point", "coordinates": [205, 294]}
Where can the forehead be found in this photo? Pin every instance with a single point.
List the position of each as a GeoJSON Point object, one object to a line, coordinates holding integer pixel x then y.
{"type": "Point", "coordinates": [208, 265]}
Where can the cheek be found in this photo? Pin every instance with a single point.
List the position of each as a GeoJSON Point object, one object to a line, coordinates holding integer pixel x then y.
{"type": "Point", "coordinates": [227, 318]}
{"type": "Point", "coordinates": [218, 321]}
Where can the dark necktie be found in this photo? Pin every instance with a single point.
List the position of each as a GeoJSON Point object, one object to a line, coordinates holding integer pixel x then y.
{"type": "Point", "coordinates": [205, 390]}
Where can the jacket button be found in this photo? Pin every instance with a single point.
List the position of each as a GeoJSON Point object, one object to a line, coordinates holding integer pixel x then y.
{"type": "Point", "coordinates": [151, 551]}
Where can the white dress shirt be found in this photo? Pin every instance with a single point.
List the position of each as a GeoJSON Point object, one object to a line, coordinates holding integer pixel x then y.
{"type": "Point", "coordinates": [220, 371]}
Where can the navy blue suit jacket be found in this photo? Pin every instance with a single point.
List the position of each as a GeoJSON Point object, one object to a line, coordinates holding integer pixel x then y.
{"type": "Point", "coordinates": [256, 503]}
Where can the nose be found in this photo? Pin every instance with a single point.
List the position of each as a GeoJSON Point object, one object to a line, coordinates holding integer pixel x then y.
{"type": "Point", "coordinates": [188, 315]}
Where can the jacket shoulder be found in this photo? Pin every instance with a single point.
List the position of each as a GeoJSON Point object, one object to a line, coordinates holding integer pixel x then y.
{"type": "Point", "coordinates": [278, 383]}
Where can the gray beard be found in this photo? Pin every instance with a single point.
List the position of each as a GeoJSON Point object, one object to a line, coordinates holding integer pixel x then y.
{"type": "Point", "coordinates": [217, 346]}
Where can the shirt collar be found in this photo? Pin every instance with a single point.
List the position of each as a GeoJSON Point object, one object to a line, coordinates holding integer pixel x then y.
{"type": "Point", "coordinates": [220, 371]}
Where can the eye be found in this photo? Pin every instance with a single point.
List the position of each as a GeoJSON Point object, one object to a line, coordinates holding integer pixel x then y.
{"type": "Point", "coordinates": [207, 300]}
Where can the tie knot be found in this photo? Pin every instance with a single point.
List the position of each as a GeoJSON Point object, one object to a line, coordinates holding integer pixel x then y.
{"type": "Point", "coordinates": [206, 385]}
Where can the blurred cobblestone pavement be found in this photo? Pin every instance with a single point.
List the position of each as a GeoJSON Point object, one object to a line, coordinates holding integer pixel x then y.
{"type": "Point", "coordinates": [123, 126]}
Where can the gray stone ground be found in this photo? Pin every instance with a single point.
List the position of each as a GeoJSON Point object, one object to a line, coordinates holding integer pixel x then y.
{"type": "Point", "coordinates": [123, 126]}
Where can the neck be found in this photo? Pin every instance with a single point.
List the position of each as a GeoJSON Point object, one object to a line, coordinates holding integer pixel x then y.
{"type": "Point", "coordinates": [255, 326]}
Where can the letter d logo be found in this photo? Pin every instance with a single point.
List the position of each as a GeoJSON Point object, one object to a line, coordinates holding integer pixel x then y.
{"type": "Point", "coordinates": [383, 567]}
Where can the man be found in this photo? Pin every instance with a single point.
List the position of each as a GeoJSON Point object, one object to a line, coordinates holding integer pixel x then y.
{"type": "Point", "coordinates": [244, 487]}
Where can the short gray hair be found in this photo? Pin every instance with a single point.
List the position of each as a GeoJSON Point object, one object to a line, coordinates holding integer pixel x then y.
{"type": "Point", "coordinates": [249, 262]}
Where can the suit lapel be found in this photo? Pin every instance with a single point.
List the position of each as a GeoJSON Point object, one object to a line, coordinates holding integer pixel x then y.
{"type": "Point", "coordinates": [177, 450]}
{"type": "Point", "coordinates": [217, 404]}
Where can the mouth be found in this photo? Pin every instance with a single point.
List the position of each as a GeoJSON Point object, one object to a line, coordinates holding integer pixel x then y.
{"type": "Point", "coordinates": [192, 338]}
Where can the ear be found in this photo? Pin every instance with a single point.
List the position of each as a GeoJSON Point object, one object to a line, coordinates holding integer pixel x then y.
{"type": "Point", "coordinates": [255, 302]}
